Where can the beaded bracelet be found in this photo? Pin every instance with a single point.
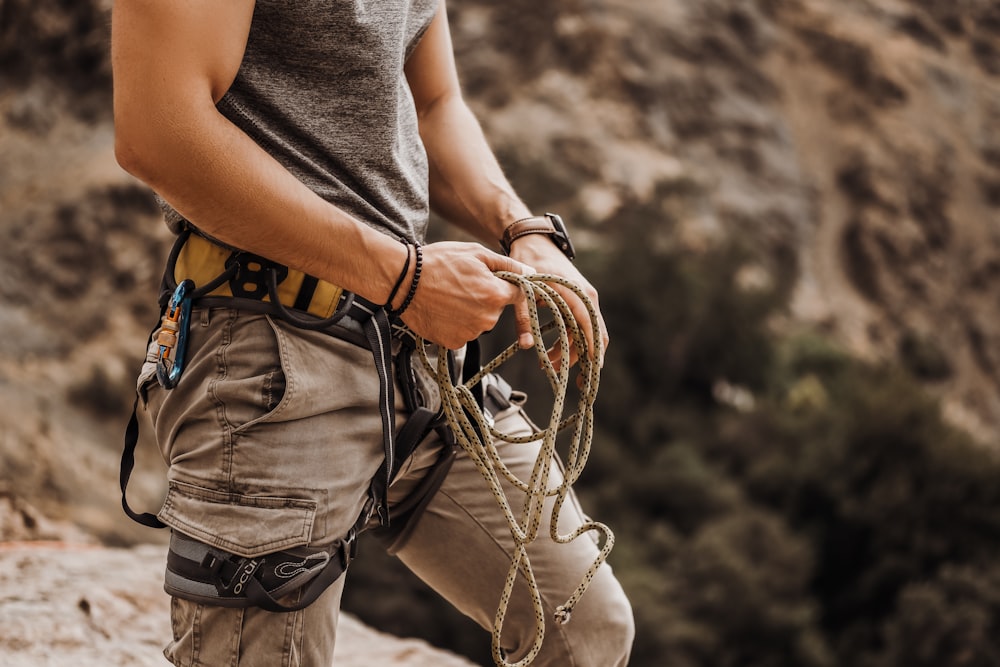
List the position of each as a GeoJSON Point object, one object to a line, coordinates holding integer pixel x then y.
{"type": "Point", "coordinates": [413, 283]}
{"type": "Point", "coordinates": [399, 281]}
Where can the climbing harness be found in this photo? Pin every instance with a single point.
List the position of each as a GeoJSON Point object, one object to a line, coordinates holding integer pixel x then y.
{"type": "Point", "coordinates": [477, 436]}
{"type": "Point", "coordinates": [202, 271]}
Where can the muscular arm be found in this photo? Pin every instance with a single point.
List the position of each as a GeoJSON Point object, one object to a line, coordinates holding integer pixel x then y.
{"type": "Point", "coordinates": [467, 186]}
{"type": "Point", "coordinates": [173, 60]}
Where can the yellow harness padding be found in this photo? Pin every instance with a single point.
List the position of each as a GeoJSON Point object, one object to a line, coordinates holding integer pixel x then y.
{"type": "Point", "coordinates": [202, 261]}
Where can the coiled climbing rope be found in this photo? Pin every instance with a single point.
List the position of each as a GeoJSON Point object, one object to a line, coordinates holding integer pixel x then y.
{"type": "Point", "coordinates": [479, 438]}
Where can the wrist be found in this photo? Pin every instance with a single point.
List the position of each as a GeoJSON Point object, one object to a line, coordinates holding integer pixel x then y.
{"type": "Point", "coordinates": [403, 275]}
{"type": "Point", "coordinates": [409, 277]}
{"type": "Point", "coordinates": [550, 226]}
{"type": "Point", "coordinates": [392, 272]}
{"type": "Point", "coordinates": [532, 245]}
{"type": "Point", "coordinates": [494, 221]}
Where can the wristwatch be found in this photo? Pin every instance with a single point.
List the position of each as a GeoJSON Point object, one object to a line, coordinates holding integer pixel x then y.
{"type": "Point", "coordinates": [550, 224]}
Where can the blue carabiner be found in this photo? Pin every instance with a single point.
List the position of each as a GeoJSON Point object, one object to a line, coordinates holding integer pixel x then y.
{"type": "Point", "coordinates": [172, 336]}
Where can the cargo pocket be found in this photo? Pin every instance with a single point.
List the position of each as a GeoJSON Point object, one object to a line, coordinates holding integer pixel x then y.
{"type": "Point", "coordinates": [248, 526]}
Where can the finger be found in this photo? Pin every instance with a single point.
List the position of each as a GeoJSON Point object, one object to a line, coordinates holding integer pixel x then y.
{"type": "Point", "coordinates": [582, 316]}
{"type": "Point", "coordinates": [522, 316]}
{"type": "Point", "coordinates": [605, 338]}
{"type": "Point", "coordinates": [498, 262]}
{"type": "Point", "coordinates": [555, 355]}
{"type": "Point", "coordinates": [602, 331]}
{"type": "Point", "coordinates": [522, 323]}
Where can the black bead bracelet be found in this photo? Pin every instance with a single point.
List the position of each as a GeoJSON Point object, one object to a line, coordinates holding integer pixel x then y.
{"type": "Point", "coordinates": [413, 283]}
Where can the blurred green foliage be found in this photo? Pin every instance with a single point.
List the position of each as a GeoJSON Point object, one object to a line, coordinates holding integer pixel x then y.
{"type": "Point", "coordinates": [776, 501]}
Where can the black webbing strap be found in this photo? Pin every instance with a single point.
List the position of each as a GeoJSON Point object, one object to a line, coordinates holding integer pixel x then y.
{"type": "Point", "coordinates": [128, 453]}
{"type": "Point", "coordinates": [417, 425]}
{"type": "Point", "coordinates": [306, 292]}
{"type": "Point", "coordinates": [128, 464]}
{"type": "Point", "coordinates": [471, 366]}
{"type": "Point", "coordinates": [379, 333]}
{"type": "Point", "coordinates": [257, 594]}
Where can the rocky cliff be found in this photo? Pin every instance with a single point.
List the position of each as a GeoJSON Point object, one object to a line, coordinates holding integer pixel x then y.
{"type": "Point", "coordinates": [854, 144]}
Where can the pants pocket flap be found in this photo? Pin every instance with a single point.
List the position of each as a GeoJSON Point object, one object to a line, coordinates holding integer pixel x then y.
{"type": "Point", "coordinates": [248, 526]}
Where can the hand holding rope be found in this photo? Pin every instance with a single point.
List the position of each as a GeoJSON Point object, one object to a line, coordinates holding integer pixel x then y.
{"type": "Point", "coordinates": [479, 438]}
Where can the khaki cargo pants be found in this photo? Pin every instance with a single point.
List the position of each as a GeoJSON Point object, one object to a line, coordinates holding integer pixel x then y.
{"type": "Point", "coordinates": [272, 437]}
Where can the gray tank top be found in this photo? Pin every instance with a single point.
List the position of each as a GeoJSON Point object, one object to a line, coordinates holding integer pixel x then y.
{"type": "Point", "coordinates": [321, 88]}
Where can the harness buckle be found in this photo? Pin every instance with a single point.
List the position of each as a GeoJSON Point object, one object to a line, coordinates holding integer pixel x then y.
{"type": "Point", "coordinates": [172, 337]}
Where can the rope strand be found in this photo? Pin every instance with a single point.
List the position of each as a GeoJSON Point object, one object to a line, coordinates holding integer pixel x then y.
{"type": "Point", "coordinates": [479, 438]}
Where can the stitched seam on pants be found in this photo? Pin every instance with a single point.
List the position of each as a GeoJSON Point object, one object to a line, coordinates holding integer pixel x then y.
{"type": "Point", "coordinates": [549, 608]}
{"type": "Point", "coordinates": [196, 636]}
{"type": "Point", "coordinates": [234, 650]}
{"type": "Point", "coordinates": [222, 371]}
{"type": "Point", "coordinates": [291, 621]}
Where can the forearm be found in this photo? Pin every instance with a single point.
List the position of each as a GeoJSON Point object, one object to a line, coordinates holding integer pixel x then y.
{"type": "Point", "coordinates": [467, 185]}
{"type": "Point", "coordinates": [221, 180]}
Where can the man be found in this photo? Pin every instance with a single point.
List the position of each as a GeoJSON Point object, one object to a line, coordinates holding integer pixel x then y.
{"type": "Point", "coordinates": [317, 135]}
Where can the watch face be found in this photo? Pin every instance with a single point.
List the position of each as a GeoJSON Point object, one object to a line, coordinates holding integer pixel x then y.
{"type": "Point", "coordinates": [558, 223]}
{"type": "Point", "coordinates": [561, 236]}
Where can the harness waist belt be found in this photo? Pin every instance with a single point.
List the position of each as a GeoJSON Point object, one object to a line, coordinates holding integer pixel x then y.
{"type": "Point", "coordinates": [203, 261]}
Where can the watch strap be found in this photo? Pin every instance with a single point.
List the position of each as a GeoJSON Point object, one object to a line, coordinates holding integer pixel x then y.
{"type": "Point", "coordinates": [538, 224]}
